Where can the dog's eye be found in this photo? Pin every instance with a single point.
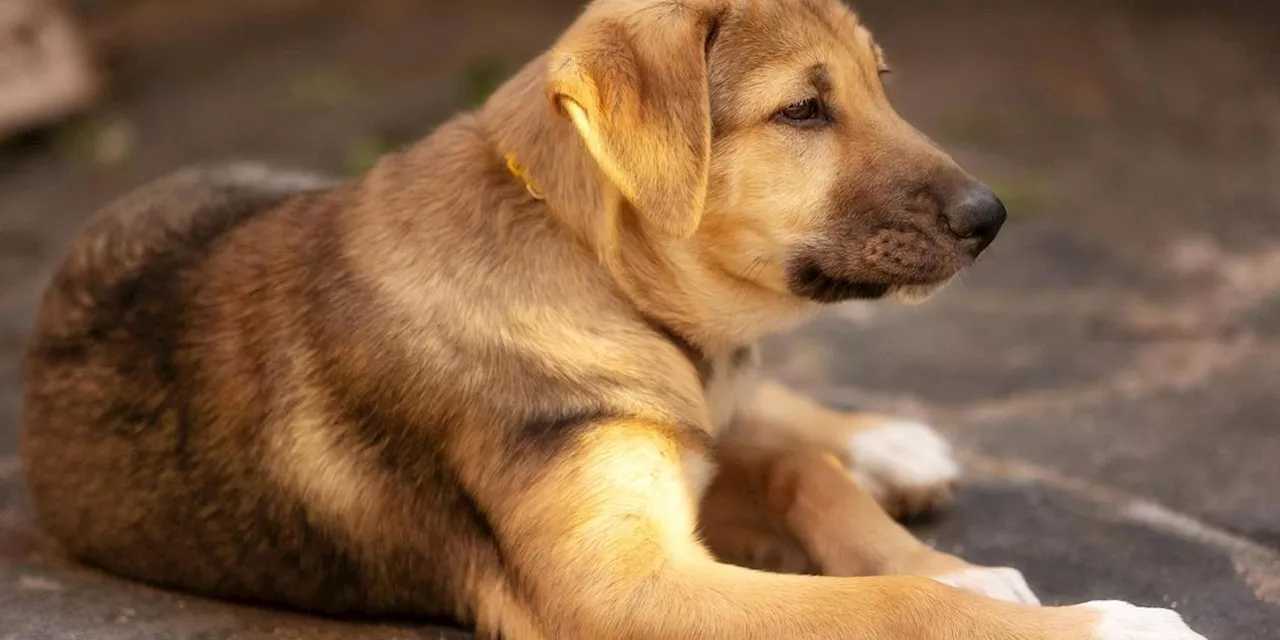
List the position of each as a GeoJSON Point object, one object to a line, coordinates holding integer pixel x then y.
{"type": "Point", "coordinates": [805, 112]}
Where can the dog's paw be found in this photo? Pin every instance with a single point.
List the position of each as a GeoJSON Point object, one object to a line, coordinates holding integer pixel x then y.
{"type": "Point", "coordinates": [1124, 621]}
{"type": "Point", "coordinates": [1001, 583]}
{"type": "Point", "coordinates": [906, 465]}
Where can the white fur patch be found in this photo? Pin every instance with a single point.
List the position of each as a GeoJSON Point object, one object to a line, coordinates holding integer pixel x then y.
{"type": "Point", "coordinates": [1123, 621]}
{"type": "Point", "coordinates": [914, 294]}
{"type": "Point", "coordinates": [1001, 583]}
{"type": "Point", "coordinates": [902, 456]}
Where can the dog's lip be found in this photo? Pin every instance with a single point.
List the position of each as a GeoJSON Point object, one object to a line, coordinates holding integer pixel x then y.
{"type": "Point", "coordinates": [808, 279]}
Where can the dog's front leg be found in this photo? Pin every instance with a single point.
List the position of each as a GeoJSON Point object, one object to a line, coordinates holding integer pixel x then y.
{"type": "Point", "coordinates": [800, 511]}
{"type": "Point", "coordinates": [825, 518]}
{"type": "Point", "coordinates": [907, 465]}
{"type": "Point", "coordinates": [597, 538]}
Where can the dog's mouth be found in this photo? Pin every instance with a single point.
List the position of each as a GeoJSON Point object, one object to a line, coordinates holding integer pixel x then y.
{"type": "Point", "coordinates": [808, 279]}
{"type": "Point", "coordinates": [900, 263]}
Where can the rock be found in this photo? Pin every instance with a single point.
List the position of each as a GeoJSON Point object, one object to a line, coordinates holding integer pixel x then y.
{"type": "Point", "coordinates": [46, 69]}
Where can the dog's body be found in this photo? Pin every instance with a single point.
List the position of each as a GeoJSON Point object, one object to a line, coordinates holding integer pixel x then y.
{"type": "Point", "coordinates": [494, 379]}
{"type": "Point", "coordinates": [332, 415]}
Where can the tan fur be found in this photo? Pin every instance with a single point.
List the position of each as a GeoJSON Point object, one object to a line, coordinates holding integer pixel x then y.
{"type": "Point", "coordinates": [434, 391]}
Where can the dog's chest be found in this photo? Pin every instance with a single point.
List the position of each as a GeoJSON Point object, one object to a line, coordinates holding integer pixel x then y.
{"type": "Point", "coordinates": [724, 381]}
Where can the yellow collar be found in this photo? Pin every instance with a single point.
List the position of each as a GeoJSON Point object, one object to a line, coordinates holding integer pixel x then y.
{"type": "Point", "coordinates": [522, 175]}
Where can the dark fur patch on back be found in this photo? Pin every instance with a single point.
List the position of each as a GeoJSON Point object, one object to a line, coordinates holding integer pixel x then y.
{"type": "Point", "coordinates": [136, 320]}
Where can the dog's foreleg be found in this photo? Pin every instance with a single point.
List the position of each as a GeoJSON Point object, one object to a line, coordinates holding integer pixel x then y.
{"type": "Point", "coordinates": [908, 466]}
{"type": "Point", "coordinates": [794, 452]}
{"type": "Point", "coordinates": [599, 540]}
{"type": "Point", "coordinates": [843, 530]}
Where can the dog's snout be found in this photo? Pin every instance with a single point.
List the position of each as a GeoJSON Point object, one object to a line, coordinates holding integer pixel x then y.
{"type": "Point", "coordinates": [975, 215]}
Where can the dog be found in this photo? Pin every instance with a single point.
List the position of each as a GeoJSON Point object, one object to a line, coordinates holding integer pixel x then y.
{"type": "Point", "coordinates": [507, 377]}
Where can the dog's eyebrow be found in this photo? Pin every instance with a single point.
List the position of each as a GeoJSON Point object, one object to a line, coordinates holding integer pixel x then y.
{"type": "Point", "coordinates": [820, 78]}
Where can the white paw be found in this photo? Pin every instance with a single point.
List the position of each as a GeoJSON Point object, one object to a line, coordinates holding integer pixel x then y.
{"type": "Point", "coordinates": [1001, 583]}
{"type": "Point", "coordinates": [1123, 621]}
{"type": "Point", "coordinates": [907, 466]}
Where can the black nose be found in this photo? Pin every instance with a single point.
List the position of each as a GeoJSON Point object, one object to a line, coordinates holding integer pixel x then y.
{"type": "Point", "coordinates": [975, 215]}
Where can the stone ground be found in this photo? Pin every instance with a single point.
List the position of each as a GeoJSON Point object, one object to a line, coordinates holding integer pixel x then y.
{"type": "Point", "coordinates": [1111, 368]}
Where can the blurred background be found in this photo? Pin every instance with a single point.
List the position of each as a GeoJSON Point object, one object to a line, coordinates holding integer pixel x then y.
{"type": "Point", "coordinates": [1110, 369]}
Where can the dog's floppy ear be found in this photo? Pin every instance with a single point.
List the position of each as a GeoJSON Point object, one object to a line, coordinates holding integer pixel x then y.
{"type": "Point", "coordinates": [635, 86]}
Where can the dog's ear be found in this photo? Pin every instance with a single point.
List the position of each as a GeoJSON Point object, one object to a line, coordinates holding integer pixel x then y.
{"type": "Point", "coordinates": [635, 86]}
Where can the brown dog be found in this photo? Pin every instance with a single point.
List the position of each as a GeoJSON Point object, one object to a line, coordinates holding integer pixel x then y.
{"type": "Point", "coordinates": [493, 379]}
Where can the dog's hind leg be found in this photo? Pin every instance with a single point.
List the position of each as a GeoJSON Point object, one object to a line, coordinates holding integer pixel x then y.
{"type": "Point", "coordinates": [502, 615]}
{"type": "Point", "coordinates": [598, 539]}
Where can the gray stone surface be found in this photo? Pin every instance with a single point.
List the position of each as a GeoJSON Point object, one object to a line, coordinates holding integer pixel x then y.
{"type": "Point", "coordinates": [1072, 547]}
{"type": "Point", "coordinates": [1111, 368]}
{"type": "Point", "coordinates": [1212, 451]}
{"type": "Point", "coordinates": [951, 352]}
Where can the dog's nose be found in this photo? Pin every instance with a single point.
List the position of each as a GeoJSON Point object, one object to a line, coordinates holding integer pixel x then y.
{"type": "Point", "coordinates": [975, 215]}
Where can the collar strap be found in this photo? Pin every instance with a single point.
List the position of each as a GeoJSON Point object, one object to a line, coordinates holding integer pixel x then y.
{"type": "Point", "coordinates": [522, 174]}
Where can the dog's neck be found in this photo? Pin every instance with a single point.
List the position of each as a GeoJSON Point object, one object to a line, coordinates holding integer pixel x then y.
{"type": "Point", "coordinates": [664, 278]}
{"type": "Point", "coordinates": [545, 153]}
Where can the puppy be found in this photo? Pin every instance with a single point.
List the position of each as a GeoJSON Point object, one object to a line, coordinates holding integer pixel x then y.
{"type": "Point", "coordinates": [497, 378]}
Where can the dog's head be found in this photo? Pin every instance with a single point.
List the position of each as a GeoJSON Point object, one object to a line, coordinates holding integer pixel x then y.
{"type": "Point", "coordinates": [760, 130]}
